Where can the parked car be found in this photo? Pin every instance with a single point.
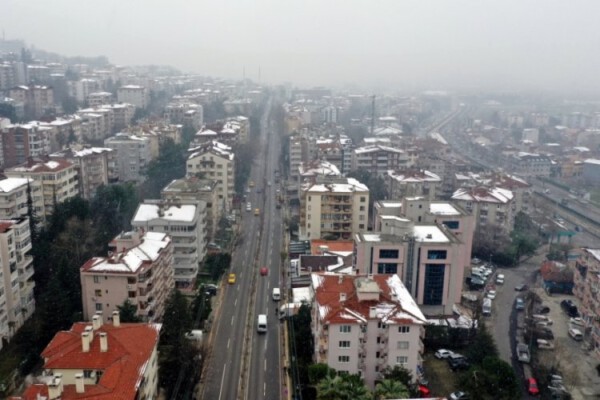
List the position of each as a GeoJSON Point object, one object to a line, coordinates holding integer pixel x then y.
{"type": "Point", "coordinates": [500, 279]}
{"type": "Point", "coordinates": [519, 304]}
{"type": "Point", "coordinates": [532, 387]}
{"type": "Point", "coordinates": [521, 288]}
{"type": "Point", "coordinates": [443, 354]}
{"type": "Point", "coordinates": [575, 334]}
{"type": "Point", "coordinates": [491, 294]}
{"type": "Point", "coordinates": [542, 309]}
{"type": "Point", "coordinates": [577, 321]}
{"type": "Point", "coordinates": [211, 289]}
{"type": "Point", "coordinates": [570, 308]}
{"type": "Point", "coordinates": [541, 332]}
{"type": "Point", "coordinates": [542, 318]}
{"type": "Point", "coordinates": [544, 344]}
{"type": "Point", "coordinates": [459, 396]}
{"type": "Point", "coordinates": [458, 363]}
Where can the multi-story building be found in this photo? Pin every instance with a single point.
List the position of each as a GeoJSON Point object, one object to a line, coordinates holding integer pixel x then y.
{"type": "Point", "coordinates": [429, 257]}
{"type": "Point", "coordinates": [13, 197]}
{"type": "Point", "coordinates": [122, 115]}
{"type": "Point", "coordinates": [134, 94]}
{"type": "Point", "coordinates": [100, 361]}
{"type": "Point", "coordinates": [83, 88]}
{"type": "Point", "coordinates": [133, 155]}
{"type": "Point", "coordinates": [298, 153]}
{"type": "Point", "coordinates": [413, 182]}
{"type": "Point", "coordinates": [591, 171]}
{"type": "Point", "coordinates": [215, 161]}
{"type": "Point", "coordinates": [333, 208]}
{"type": "Point", "coordinates": [58, 178]}
{"type": "Point", "coordinates": [37, 99]}
{"type": "Point", "coordinates": [531, 164]}
{"type": "Point", "coordinates": [139, 268]}
{"type": "Point", "coordinates": [378, 159]}
{"type": "Point", "coordinates": [188, 114]}
{"type": "Point", "coordinates": [22, 141]}
{"type": "Point", "coordinates": [185, 223]}
{"type": "Point", "coordinates": [364, 324]}
{"type": "Point", "coordinates": [96, 166]}
{"type": "Point", "coordinates": [97, 99]}
{"type": "Point", "coordinates": [490, 206]}
{"type": "Point", "coordinates": [16, 276]}
{"type": "Point", "coordinates": [587, 290]}
{"type": "Point", "coordinates": [196, 189]}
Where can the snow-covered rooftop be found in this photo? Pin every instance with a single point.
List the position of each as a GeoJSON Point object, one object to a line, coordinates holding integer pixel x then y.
{"type": "Point", "coordinates": [443, 209]}
{"type": "Point", "coordinates": [181, 213]}
{"type": "Point", "coordinates": [10, 184]}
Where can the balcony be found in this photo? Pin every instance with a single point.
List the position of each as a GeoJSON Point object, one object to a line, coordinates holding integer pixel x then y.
{"type": "Point", "coordinates": [26, 273]}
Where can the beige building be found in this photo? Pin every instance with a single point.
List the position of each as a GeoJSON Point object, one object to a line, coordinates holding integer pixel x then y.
{"type": "Point", "coordinates": [139, 268]}
{"type": "Point", "coordinates": [37, 99]}
{"type": "Point", "coordinates": [333, 208]}
{"type": "Point", "coordinates": [101, 362]}
{"type": "Point", "coordinates": [96, 99]}
{"type": "Point", "coordinates": [139, 96]}
{"type": "Point", "coordinates": [378, 159]}
{"type": "Point", "coordinates": [16, 276]}
{"type": "Point", "coordinates": [215, 161]}
{"type": "Point", "coordinates": [362, 325]}
{"type": "Point", "coordinates": [58, 178]}
{"type": "Point", "coordinates": [490, 206]}
{"type": "Point", "coordinates": [96, 166]}
{"type": "Point", "coordinates": [13, 197]}
{"type": "Point", "coordinates": [413, 182]}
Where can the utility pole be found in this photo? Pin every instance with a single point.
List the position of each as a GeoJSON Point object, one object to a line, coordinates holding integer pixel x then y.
{"type": "Point", "coordinates": [372, 115]}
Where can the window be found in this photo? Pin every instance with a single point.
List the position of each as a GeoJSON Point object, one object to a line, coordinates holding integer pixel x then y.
{"type": "Point", "coordinates": [402, 360]}
{"type": "Point", "coordinates": [131, 294]}
{"type": "Point", "coordinates": [451, 224]}
{"type": "Point", "coordinates": [384, 253]}
{"type": "Point", "coordinates": [98, 293]}
{"type": "Point", "coordinates": [96, 279]}
{"type": "Point", "coordinates": [437, 254]}
{"type": "Point", "coordinates": [87, 373]}
{"type": "Point", "coordinates": [344, 359]}
{"type": "Point", "coordinates": [403, 329]}
{"type": "Point", "coordinates": [361, 226]}
{"type": "Point", "coordinates": [361, 217]}
{"type": "Point", "coordinates": [362, 208]}
{"type": "Point", "coordinates": [387, 268]}
{"type": "Point", "coordinates": [344, 344]}
{"type": "Point", "coordinates": [403, 345]}
{"type": "Point", "coordinates": [98, 306]}
{"type": "Point", "coordinates": [434, 284]}
{"type": "Point", "coordinates": [363, 199]}
{"type": "Point", "coordinates": [345, 328]}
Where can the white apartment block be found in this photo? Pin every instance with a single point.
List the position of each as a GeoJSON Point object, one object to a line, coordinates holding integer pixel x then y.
{"type": "Point", "coordinates": [378, 159]}
{"type": "Point", "coordinates": [531, 164]}
{"type": "Point", "coordinates": [362, 325]}
{"type": "Point", "coordinates": [97, 99]}
{"type": "Point", "coordinates": [16, 276]}
{"type": "Point", "coordinates": [82, 89]}
{"type": "Point", "coordinates": [58, 178]}
{"type": "Point", "coordinates": [13, 197]}
{"type": "Point", "coordinates": [333, 208]}
{"type": "Point", "coordinates": [413, 182]}
{"type": "Point", "coordinates": [185, 223]}
{"type": "Point", "coordinates": [490, 206]}
{"type": "Point", "coordinates": [139, 268]}
{"type": "Point", "coordinates": [215, 161]}
{"type": "Point", "coordinates": [37, 99]}
{"type": "Point", "coordinates": [188, 114]}
{"type": "Point", "coordinates": [134, 153]}
{"type": "Point", "coordinates": [139, 96]}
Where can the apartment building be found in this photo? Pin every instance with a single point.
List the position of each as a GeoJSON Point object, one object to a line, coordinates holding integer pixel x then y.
{"type": "Point", "coordinates": [13, 197]}
{"type": "Point", "coordinates": [22, 141]}
{"type": "Point", "coordinates": [364, 324]}
{"type": "Point", "coordinates": [100, 361]}
{"type": "Point", "coordinates": [37, 99]}
{"type": "Point", "coordinates": [16, 276]}
{"type": "Point", "coordinates": [333, 208]}
{"type": "Point", "coordinates": [96, 166]}
{"type": "Point", "coordinates": [196, 189]}
{"type": "Point", "coordinates": [491, 206]}
{"type": "Point", "coordinates": [139, 268]}
{"type": "Point", "coordinates": [298, 153]}
{"type": "Point", "coordinates": [185, 223]}
{"type": "Point", "coordinates": [134, 153]}
{"type": "Point", "coordinates": [139, 96]}
{"type": "Point", "coordinates": [97, 99]}
{"type": "Point", "coordinates": [521, 190]}
{"type": "Point", "coordinates": [531, 164]}
{"type": "Point", "coordinates": [587, 290]}
{"type": "Point", "coordinates": [58, 178]}
{"type": "Point", "coordinates": [187, 114]}
{"type": "Point", "coordinates": [215, 161]}
{"type": "Point", "coordinates": [82, 88]}
{"type": "Point", "coordinates": [378, 159]}
{"type": "Point", "coordinates": [412, 182]}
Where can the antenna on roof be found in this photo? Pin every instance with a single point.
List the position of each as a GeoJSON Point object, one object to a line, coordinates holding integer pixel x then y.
{"type": "Point", "coordinates": [372, 114]}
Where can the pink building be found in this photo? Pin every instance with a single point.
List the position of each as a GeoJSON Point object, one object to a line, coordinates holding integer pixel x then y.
{"type": "Point", "coordinates": [587, 290]}
{"type": "Point", "coordinates": [363, 325]}
{"type": "Point", "coordinates": [139, 269]}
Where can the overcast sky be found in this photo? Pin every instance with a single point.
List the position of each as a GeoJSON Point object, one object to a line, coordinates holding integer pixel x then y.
{"type": "Point", "coordinates": [511, 44]}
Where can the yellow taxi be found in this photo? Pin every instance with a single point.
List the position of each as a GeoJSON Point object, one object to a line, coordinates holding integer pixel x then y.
{"type": "Point", "coordinates": [257, 211]}
{"type": "Point", "coordinates": [251, 184]}
{"type": "Point", "coordinates": [231, 279]}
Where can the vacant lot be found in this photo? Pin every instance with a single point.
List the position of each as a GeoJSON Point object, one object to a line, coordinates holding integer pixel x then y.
{"type": "Point", "coordinates": [441, 378]}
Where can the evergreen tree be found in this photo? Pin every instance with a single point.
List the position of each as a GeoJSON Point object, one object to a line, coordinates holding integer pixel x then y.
{"type": "Point", "coordinates": [128, 312]}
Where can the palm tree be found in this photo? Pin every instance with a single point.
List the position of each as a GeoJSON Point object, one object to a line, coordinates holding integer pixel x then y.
{"type": "Point", "coordinates": [390, 389]}
{"type": "Point", "coordinates": [330, 388]}
{"type": "Point", "coordinates": [353, 388]}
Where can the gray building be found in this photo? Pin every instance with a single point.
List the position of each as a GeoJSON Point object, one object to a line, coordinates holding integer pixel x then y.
{"type": "Point", "coordinates": [133, 156]}
{"type": "Point", "coordinates": [591, 171]}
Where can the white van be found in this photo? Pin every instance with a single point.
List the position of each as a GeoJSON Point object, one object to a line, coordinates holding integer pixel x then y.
{"type": "Point", "coordinates": [262, 323]}
{"type": "Point", "coordinates": [486, 309]}
{"type": "Point", "coordinates": [276, 294]}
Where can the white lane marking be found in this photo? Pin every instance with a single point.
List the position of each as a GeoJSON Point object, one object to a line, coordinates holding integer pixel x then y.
{"type": "Point", "coordinates": [265, 389]}
{"type": "Point", "coordinates": [235, 302]}
{"type": "Point", "coordinates": [228, 342]}
{"type": "Point", "coordinates": [265, 365]}
{"type": "Point", "coordinates": [222, 381]}
{"type": "Point", "coordinates": [232, 320]}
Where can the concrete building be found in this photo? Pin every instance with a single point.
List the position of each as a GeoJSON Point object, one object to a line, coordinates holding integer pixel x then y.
{"type": "Point", "coordinates": [96, 166]}
{"type": "Point", "coordinates": [531, 164]}
{"type": "Point", "coordinates": [100, 361]}
{"type": "Point", "coordinates": [185, 223]}
{"type": "Point", "coordinates": [591, 171]}
{"type": "Point", "coordinates": [490, 206]}
{"type": "Point", "coordinates": [215, 161]}
{"type": "Point", "coordinates": [378, 159]}
{"type": "Point", "coordinates": [587, 287]}
{"type": "Point", "coordinates": [196, 189]}
{"type": "Point", "coordinates": [83, 88]}
{"type": "Point", "coordinates": [16, 276]}
{"type": "Point", "coordinates": [413, 182]}
{"type": "Point", "coordinates": [58, 179]}
{"type": "Point", "coordinates": [333, 208]}
{"type": "Point", "coordinates": [97, 99]}
{"type": "Point", "coordinates": [13, 197]}
{"type": "Point", "coordinates": [362, 325]}
{"type": "Point", "coordinates": [139, 268]}
{"type": "Point", "coordinates": [36, 98]}
{"type": "Point", "coordinates": [139, 96]}
{"type": "Point", "coordinates": [22, 141]}
{"type": "Point", "coordinates": [187, 114]}
{"type": "Point", "coordinates": [134, 153]}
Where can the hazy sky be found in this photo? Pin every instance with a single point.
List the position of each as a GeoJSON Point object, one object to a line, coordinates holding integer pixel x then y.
{"type": "Point", "coordinates": [512, 44]}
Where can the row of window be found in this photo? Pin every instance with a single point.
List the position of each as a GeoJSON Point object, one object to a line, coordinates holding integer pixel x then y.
{"type": "Point", "coordinates": [400, 360]}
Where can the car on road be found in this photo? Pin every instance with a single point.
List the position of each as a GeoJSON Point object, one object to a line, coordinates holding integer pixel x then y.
{"type": "Point", "coordinates": [231, 279]}
{"type": "Point", "coordinates": [459, 396]}
{"type": "Point", "coordinates": [532, 387]}
{"type": "Point", "coordinates": [251, 184]}
{"type": "Point", "coordinates": [491, 294]}
{"type": "Point", "coordinates": [257, 212]}
{"type": "Point", "coordinates": [575, 334]}
{"type": "Point", "coordinates": [519, 304]}
{"type": "Point", "coordinates": [443, 353]}
{"type": "Point", "coordinates": [521, 288]}
{"type": "Point", "coordinates": [248, 206]}
{"type": "Point", "coordinates": [269, 183]}
{"type": "Point", "coordinates": [570, 308]}
{"type": "Point", "coordinates": [264, 271]}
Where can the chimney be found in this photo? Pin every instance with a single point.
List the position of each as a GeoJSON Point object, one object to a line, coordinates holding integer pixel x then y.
{"type": "Point", "coordinates": [85, 342]}
{"type": "Point", "coordinates": [55, 389]}
{"type": "Point", "coordinates": [342, 297]}
{"type": "Point", "coordinates": [58, 376]}
{"type": "Point", "coordinates": [96, 322]}
{"type": "Point", "coordinates": [90, 332]}
{"type": "Point", "coordinates": [116, 319]}
{"type": "Point", "coordinates": [394, 297]}
{"type": "Point", "coordinates": [79, 383]}
{"type": "Point", "coordinates": [372, 312]}
{"type": "Point", "coordinates": [103, 342]}
{"type": "Point", "coordinates": [340, 279]}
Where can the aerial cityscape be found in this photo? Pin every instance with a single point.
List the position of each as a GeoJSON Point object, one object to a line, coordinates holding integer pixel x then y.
{"type": "Point", "coordinates": [314, 201]}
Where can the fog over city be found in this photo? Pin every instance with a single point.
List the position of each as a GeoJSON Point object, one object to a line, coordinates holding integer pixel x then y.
{"type": "Point", "coordinates": [489, 44]}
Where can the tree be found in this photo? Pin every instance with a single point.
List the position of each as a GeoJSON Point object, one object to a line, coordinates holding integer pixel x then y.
{"type": "Point", "coordinates": [169, 165]}
{"type": "Point", "coordinates": [69, 105]}
{"type": "Point", "coordinates": [8, 111]}
{"type": "Point", "coordinates": [493, 379]}
{"type": "Point", "coordinates": [217, 264]}
{"type": "Point", "coordinates": [403, 376]}
{"type": "Point", "coordinates": [329, 388]}
{"type": "Point", "coordinates": [483, 346]}
{"type": "Point", "coordinates": [318, 372]}
{"type": "Point", "coordinates": [128, 312]}
{"type": "Point", "coordinates": [176, 320]}
{"type": "Point", "coordinates": [376, 185]}
{"type": "Point", "coordinates": [391, 389]}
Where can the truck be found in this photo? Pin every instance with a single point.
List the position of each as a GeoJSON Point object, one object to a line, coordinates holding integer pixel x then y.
{"type": "Point", "coordinates": [523, 354]}
{"type": "Point", "coordinates": [288, 310]}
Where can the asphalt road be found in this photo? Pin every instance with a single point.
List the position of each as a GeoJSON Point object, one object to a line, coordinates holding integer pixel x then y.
{"type": "Point", "coordinates": [259, 245]}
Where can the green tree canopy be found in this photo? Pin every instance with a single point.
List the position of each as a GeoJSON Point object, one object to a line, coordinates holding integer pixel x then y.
{"type": "Point", "coordinates": [391, 389]}
{"type": "Point", "coordinates": [128, 312]}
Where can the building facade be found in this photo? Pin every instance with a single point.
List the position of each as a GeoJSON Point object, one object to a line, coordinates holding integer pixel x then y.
{"type": "Point", "coordinates": [139, 96]}
{"type": "Point", "coordinates": [134, 153]}
{"type": "Point", "coordinates": [378, 159]}
{"type": "Point", "coordinates": [587, 290]}
{"type": "Point", "coordinates": [13, 197]}
{"type": "Point", "coordinates": [490, 206]}
{"type": "Point", "coordinates": [413, 182]}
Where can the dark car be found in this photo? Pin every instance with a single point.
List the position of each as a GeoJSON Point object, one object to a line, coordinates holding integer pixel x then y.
{"type": "Point", "coordinates": [458, 362]}
{"type": "Point", "coordinates": [211, 289]}
{"type": "Point", "coordinates": [570, 308]}
{"type": "Point", "coordinates": [521, 288]}
{"type": "Point", "coordinates": [542, 309]}
{"type": "Point", "coordinates": [542, 332]}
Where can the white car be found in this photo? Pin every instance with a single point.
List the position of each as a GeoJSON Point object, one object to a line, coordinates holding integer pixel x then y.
{"type": "Point", "coordinates": [500, 279]}
{"type": "Point", "coordinates": [575, 334]}
{"type": "Point", "coordinates": [577, 321]}
{"type": "Point", "coordinates": [491, 294]}
{"type": "Point", "coordinates": [443, 353]}
{"type": "Point", "coordinates": [248, 207]}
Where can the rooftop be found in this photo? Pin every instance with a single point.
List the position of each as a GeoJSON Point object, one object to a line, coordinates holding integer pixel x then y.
{"type": "Point", "coordinates": [179, 213]}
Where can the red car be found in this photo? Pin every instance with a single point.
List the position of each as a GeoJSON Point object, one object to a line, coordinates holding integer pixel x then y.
{"type": "Point", "coordinates": [264, 271]}
{"type": "Point", "coordinates": [532, 387]}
